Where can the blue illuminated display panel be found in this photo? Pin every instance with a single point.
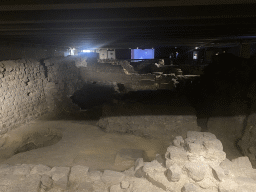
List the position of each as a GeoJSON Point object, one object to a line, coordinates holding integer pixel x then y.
{"type": "Point", "coordinates": [142, 54]}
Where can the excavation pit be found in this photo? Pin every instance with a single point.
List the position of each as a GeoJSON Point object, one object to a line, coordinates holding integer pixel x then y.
{"type": "Point", "coordinates": [26, 139]}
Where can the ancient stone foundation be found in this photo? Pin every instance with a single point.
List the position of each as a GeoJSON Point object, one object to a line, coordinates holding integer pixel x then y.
{"type": "Point", "coordinates": [148, 120]}
{"type": "Point", "coordinates": [196, 163]}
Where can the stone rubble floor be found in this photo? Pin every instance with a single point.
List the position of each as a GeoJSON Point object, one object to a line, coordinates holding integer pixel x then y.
{"type": "Point", "coordinates": [196, 163]}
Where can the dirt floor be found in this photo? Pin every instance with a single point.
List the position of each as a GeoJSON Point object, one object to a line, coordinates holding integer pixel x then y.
{"type": "Point", "coordinates": [83, 143]}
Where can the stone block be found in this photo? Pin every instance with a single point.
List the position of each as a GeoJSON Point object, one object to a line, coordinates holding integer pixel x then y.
{"type": "Point", "coordinates": [78, 174]}
{"type": "Point", "coordinates": [143, 185]}
{"type": "Point", "coordinates": [195, 134]}
{"type": "Point", "coordinates": [31, 183]}
{"type": "Point", "coordinates": [115, 188]}
{"type": "Point", "coordinates": [6, 169]}
{"type": "Point", "coordinates": [41, 170]}
{"type": "Point", "coordinates": [84, 187]}
{"type": "Point", "coordinates": [242, 162]}
{"type": "Point", "coordinates": [213, 144]}
{"type": "Point", "coordinates": [209, 136]}
{"type": "Point", "coordinates": [138, 164]}
{"type": "Point", "coordinates": [94, 176]}
{"type": "Point", "coordinates": [46, 181]}
{"type": "Point", "coordinates": [215, 155]}
{"type": "Point", "coordinates": [127, 157]}
{"type": "Point", "coordinates": [178, 141]}
{"type": "Point", "coordinates": [153, 166]}
{"type": "Point", "coordinates": [174, 173]}
{"type": "Point", "coordinates": [196, 170]}
{"type": "Point", "coordinates": [246, 183]}
{"type": "Point", "coordinates": [192, 157]}
{"type": "Point", "coordinates": [23, 169]}
{"type": "Point", "coordinates": [189, 187]}
{"type": "Point", "coordinates": [218, 172]}
{"type": "Point", "coordinates": [112, 177]}
{"type": "Point", "coordinates": [58, 190]}
{"type": "Point", "coordinates": [160, 160]}
{"type": "Point", "coordinates": [176, 155]}
{"type": "Point", "coordinates": [195, 148]}
{"type": "Point", "coordinates": [14, 183]}
{"type": "Point", "coordinates": [140, 173]}
{"type": "Point", "coordinates": [228, 185]}
{"type": "Point", "coordinates": [60, 176]}
{"type": "Point", "coordinates": [159, 179]}
{"type": "Point", "coordinates": [125, 184]}
{"type": "Point", "coordinates": [208, 183]}
{"type": "Point", "coordinates": [227, 166]}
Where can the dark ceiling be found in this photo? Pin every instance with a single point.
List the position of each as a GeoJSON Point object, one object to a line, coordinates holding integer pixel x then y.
{"type": "Point", "coordinates": [128, 24]}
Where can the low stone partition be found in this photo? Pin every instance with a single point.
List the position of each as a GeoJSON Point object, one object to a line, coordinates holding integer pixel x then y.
{"type": "Point", "coordinates": [148, 120]}
{"type": "Point", "coordinates": [196, 163]}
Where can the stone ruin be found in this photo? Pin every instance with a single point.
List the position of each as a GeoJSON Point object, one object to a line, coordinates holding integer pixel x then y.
{"type": "Point", "coordinates": [194, 164]}
{"type": "Point", "coordinates": [248, 142]}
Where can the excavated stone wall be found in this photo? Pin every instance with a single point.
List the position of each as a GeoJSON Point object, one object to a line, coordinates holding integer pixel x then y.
{"type": "Point", "coordinates": [29, 89]}
{"type": "Point", "coordinates": [122, 72]}
{"type": "Point", "coordinates": [21, 92]}
{"type": "Point", "coordinates": [196, 163]}
{"type": "Point", "coordinates": [62, 80]}
{"type": "Point", "coordinates": [160, 121]}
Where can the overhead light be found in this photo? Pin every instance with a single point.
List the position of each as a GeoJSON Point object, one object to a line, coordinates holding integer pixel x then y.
{"type": "Point", "coordinates": [196, 47]}
{"type": "Point", "coordinates": [86, 51]}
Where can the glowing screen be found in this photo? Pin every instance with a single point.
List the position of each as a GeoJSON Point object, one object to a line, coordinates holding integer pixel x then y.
{"type": "Point", "coordinates": [142, 54]}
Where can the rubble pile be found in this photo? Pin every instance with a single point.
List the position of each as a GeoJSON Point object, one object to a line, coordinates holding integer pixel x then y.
{"type": "Point", "coordinates": [196, 163]}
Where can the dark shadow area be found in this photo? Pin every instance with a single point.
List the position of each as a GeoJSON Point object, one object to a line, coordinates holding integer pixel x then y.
{"type": "Point", "coordinates": [92, 95]}
{"type": "Point", "coordinates": [149, 102]}
{"type": "Point", "coordinates": [225, 88]}
{"type": "Point", "coordinates": [45, 68]}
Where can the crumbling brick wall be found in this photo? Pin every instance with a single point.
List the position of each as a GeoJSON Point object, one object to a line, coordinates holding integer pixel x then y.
{"type": "Point", "coordinates": [29, 89]}
{"type": "Point", "coordinates": [22, 95]}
